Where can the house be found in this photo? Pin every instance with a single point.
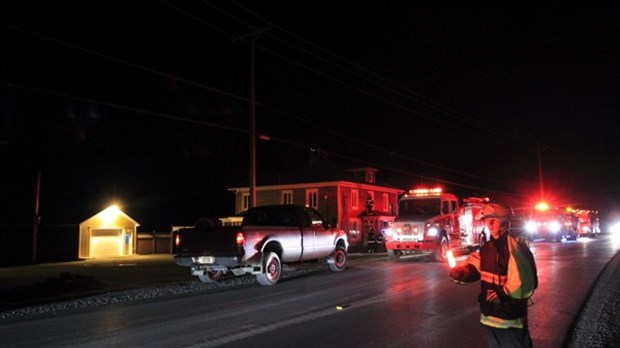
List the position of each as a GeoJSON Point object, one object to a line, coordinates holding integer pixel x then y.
{"type": "Point", "coordinates": [354, 201]}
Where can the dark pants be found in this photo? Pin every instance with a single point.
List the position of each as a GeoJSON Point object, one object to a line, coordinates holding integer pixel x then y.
{"type": "Point", "coordinates": [505, 338]}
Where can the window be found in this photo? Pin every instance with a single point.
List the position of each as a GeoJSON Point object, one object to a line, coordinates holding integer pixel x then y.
{"type": "Point", "coordinates": [354, 200]}
{"type": "Point", "coordinates": [385, 202]}
{"type": "Point", "coordinates": [316, 220]}
{"type": "Point", "coordinates": [245, 201]}
{"type": "Point", "coordinates": [370, 176]}
{"type": "Point", "coordinates": [354, 228]}
{"type": "Point", "coordinates": [448, 207]}
{"type": "Point", "coordinates": [286, 197]}
{"type": "Point", "coordinates": [312, 198]}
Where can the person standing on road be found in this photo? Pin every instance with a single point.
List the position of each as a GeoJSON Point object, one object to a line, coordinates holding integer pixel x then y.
{"type": "Point", "coordinates": [506, 269]}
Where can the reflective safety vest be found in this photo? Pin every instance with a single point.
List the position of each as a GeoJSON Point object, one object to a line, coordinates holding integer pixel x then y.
{"type": "Point", "coordinates": [506, 266]}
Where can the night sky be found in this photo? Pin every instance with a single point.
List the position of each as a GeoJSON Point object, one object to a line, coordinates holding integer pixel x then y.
{"type": "Point", "coordinates": [146, 102]}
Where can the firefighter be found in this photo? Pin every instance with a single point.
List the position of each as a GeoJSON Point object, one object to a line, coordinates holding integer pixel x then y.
{"type": "Point", "coordinates": [507, 272]}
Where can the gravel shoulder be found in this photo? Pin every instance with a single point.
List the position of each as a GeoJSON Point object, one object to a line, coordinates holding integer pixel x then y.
{"type": "Point", "coordinates": [52, 287]}
{"type": "Point", "coordinates": [598, 323]}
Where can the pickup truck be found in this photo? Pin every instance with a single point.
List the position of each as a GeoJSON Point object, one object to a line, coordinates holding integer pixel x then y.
{"type": "Point", "coordinates": [268, 237]}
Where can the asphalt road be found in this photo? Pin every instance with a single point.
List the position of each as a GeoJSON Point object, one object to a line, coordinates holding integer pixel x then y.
{"type": "Point", "coordinates": [404, 303]}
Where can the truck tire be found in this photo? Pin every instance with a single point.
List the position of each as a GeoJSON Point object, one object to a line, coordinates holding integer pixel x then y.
{"type": "Point", "coordinates": [393, 254]}
{"type": "Point", "coordinates": [339, 260]}
{"type": "Point", "coordinates": [272, 269]}
{"type": "Point", "coordinates": [210, 276]}
{"type": "Point", "coordinates": [440, 254]}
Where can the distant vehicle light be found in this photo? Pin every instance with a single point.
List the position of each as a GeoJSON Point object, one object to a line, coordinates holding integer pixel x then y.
{"type": "Point", "coordinates": [542, 206]}
{"type": "Point", "coordinates": [432, 232]}
{"type": "Point", "coordinates": [615, 228]}
{"type": "Point", "coordinates": [177, 240]}
{"type": "Point", "coordinates": [530, 226]}
{"type": "Point", "coordinates": [554, 226]}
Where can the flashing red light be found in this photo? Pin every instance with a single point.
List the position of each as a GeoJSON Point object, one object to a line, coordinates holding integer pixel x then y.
{"type": "Point", "coordinates": [425, 191]}
{"type": "Point", "coordinates": [476, 200]}
{"type": "Point", "coordinates": [542, 206]}
{"type": "Point", "coordinates": [177, 240]}
{"type": "Point", "coordinates": [240, 239]}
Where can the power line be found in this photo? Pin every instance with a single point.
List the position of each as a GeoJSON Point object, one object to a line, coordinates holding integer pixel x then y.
{"type": "Point", "coordinates": [208, 88]}
{"type": "Point", "coordinates": [383, 81]}
{"type": "Point", "coordinates": [244, 131]}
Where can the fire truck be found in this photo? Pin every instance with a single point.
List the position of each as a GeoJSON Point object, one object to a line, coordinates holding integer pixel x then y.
{"type": "Point", "coordinates": [585, 221]}
{"type": "Point", "coordinates": [431, 221]}
{"type": "Point", "coordinates": [548, 223]}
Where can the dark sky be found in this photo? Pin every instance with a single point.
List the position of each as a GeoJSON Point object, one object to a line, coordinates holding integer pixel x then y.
{"type": "Point", "coordinates": [146, 102]}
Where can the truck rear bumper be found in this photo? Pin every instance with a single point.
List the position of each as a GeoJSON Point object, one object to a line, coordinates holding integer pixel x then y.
{"type": "Point", "coordinates": [210, 261]}
{"type": "Point", "coordinates": [236, 264]}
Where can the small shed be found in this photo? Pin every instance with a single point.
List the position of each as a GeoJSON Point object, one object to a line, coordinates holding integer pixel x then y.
{"type": "Point", "coordinates": [109, 233]}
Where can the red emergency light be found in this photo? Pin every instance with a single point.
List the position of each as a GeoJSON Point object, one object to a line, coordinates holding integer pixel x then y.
{"type": "Point", "coordinates": [542, 206]}
{"type": "Point", "coordinates": [426, 191]}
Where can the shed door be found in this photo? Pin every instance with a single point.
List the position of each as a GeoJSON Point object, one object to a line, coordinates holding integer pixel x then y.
{"type": "Point", "coordinates": [106, 242]}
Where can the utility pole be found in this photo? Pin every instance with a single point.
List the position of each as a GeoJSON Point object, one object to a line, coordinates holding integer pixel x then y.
{"type": "Point", "coordinates": [37, 218]}
{"type": "Point", "coordinates": [252, 111]}
{"type": "Point", "coordinates": [252, 197]}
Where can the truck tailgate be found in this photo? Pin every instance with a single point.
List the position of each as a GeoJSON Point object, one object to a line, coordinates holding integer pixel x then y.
{"type": "Point", "coordinates": [214, 241]}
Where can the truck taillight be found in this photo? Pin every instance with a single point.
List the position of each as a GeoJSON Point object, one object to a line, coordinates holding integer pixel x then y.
{"type": "Point", "coordinates": [240, 239]}
{"type": "Point", "coordinates": [177, 240]}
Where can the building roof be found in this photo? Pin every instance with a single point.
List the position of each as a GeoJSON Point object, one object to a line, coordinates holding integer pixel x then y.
{"type": "Point", "coordinates": [324, 172]}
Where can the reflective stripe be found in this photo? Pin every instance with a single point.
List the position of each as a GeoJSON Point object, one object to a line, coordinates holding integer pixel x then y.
{"type": "Point", "coordinates": [492, 278]}
{"type": "Point", "coordinates": [502, 323]}
{"type": "Point", "coordinates": [521, 277]}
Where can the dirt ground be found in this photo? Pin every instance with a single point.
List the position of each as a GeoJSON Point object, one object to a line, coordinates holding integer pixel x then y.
{"type": "Point", "coordinates": [50, 282]}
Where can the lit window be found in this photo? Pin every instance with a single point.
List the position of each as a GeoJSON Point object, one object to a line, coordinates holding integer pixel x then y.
{"type": "Point", "coordinates": [354, 200]}
{"type": "Point", "coordinates": [385, 202]}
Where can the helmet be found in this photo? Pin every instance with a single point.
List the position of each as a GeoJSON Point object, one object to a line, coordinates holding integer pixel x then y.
{"type": "Point", "coordinates": [493, 210]}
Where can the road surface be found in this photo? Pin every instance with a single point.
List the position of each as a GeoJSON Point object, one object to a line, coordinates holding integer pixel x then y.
{"type": "Point", "coordinates": [403, 303]}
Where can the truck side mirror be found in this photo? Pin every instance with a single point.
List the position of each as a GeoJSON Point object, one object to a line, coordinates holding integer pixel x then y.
{"type": "Point", "coordinates": [330, 224]}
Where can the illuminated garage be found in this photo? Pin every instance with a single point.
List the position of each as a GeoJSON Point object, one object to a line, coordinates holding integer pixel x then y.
{"type": "Point", "coordinates": [109, 233]}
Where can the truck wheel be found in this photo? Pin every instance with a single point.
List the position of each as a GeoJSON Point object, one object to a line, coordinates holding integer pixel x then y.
{"type": "Point", "coordinates": [210, 276]}
{"type": "Point", "coordinates": [272, 269]}
{"type": "Point", "coordinates": [441, 252]}
{"type": "Point", "coordinates": [393, 254]}
{"type": "Point", "coordinates": [339, 260]}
